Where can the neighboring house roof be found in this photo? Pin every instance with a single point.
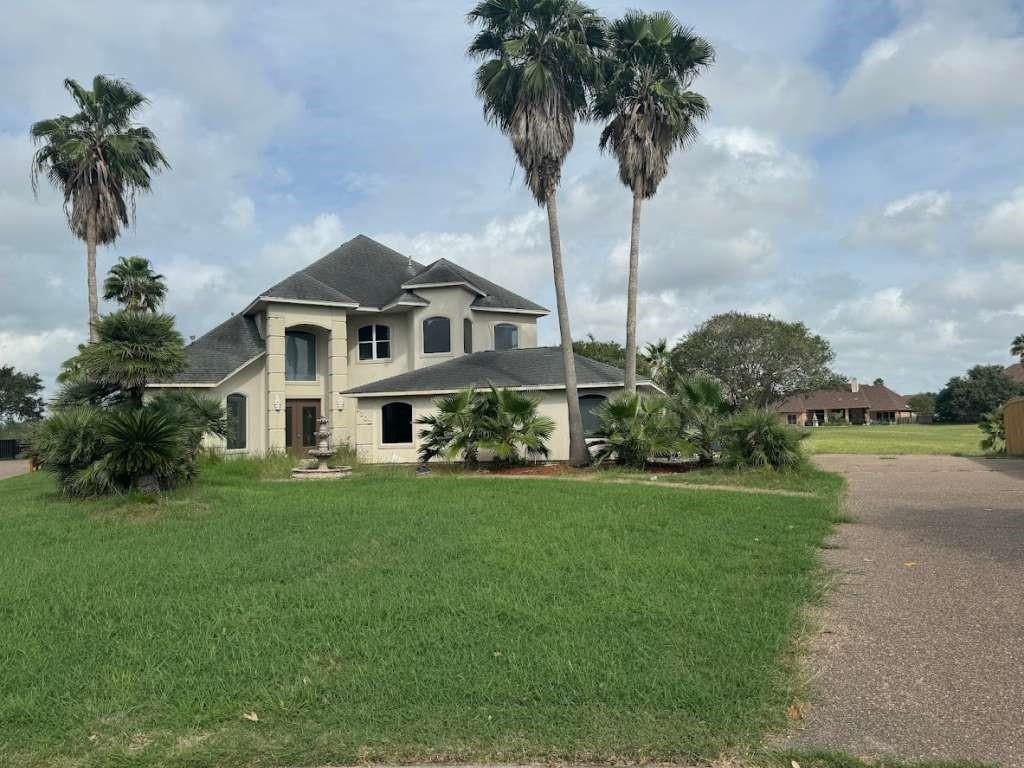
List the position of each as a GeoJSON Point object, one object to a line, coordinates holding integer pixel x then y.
{"type": "Point", "coordinates": [874, 397]}
{"type": "Point", "coordinates": [531, 368]}
{"type": "Point", "coordinates": [1016, 372]}
{"type": "Point", "coordinates": [221, 352]}
{"type": "Point", "coordinates": [370, 274]}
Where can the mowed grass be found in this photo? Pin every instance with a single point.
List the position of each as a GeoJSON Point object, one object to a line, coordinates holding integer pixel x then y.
{"type": "Point", "coordinates": [390, 618]}
{"type": "Point", "coordinates": [947, 439]}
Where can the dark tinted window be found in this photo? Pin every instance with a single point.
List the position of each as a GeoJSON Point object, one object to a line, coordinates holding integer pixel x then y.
{"type": "Point", "coordinates": [236, 422]}
{"type": "Point", "coordinates": [437, 334]}
{"type": "Point", "coordinates": [589, 405]}
{"type": "Point", "coordinates": [300, 356]}
{"type": "Point", "coordinates": [467, 336]}
{"type": "Point", "coordinates": [397, 423]}
{"type": "Point", "coordinates": [374, 342]}
{"type": "Point", "coordinates": [506, 336]}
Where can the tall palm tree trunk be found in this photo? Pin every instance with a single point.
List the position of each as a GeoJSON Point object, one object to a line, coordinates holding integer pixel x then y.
{"type": "Point", "coordinates": [578, 454]}
{"type": "Point", "coordinates": [90, 268]}
{"type": "Point", "coordinates": [631, 291]}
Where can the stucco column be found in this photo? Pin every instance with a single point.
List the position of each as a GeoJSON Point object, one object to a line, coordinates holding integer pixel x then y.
{"type": "Point", "coordinates": [339, 408]}
{"type": "Point", "coordinates": [275, 379]}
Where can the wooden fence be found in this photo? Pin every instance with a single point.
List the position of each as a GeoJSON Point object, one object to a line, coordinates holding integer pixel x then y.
{"type": "Point", "coordinates": [1013, 413]}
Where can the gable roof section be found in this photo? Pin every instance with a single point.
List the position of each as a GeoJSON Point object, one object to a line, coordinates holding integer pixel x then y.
{"type": "Point", "coordinates": [531, 368]}
{"type": "Point", "coordinates": [371, 273]}
{"type": "Point", "coordinates": [489, 295]}
{"type": "Point", "coordinates": [221, 352]}
{"type": "Point", "coordinates": [871, 396]}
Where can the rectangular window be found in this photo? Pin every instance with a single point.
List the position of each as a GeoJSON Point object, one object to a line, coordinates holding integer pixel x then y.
{"type": "Point", "coordinates": [506, 336]}
{"type": "Point", "coordinates": [300, 356]}
{"type": "Point", "coordinates": [467, 336]}
{"type": "Point", "coordinates": [375, 342]}
{"type": "Point", "coordinates": [236, 422]}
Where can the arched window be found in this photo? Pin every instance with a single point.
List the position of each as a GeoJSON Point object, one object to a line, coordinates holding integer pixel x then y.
{"type": "Point", "coordinates": [375, 342]}
{"type": "Point", "coordinates": [396, 423]}
{"type": "Point", "coordinates": [506, 336]}
{"type": "Point", "coordinates": [236, 422]}
{"type": "Point", "coordinates": [589, 405]}
{"type": "Point", "coordinates": [300, 356]}
{"type": "Point", "coordinates": [437, 335]}
{"type": "Point", "coordinates": [467, 336]}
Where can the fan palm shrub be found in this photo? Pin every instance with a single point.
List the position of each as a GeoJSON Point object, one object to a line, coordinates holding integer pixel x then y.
{"type": "Point", "coordinates": [99, 159]}
{"type": "Point", "coordinates": [757, 438]}
{"type": "Point", "coordinates": [539, 66]}
{"type": "Point", "coordinates": [509, 426]}
{"type": "Point", "coordinates": [993, 424]}
{"type": "Point", "coordinates": [644, 96]}
{"type": "Point", "coordinates": [634, 428]}
{"type": "Point", "coordinates": [134, 285]}
{"type": "Point", "coordinates": [68, 442]}
{"type": "Point", "coordinates": [702, 409]}
{"type": "Point", "coordinates": [451, 431]}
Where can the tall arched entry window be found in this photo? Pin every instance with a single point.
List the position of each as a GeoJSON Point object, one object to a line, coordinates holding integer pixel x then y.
{"type": "Point", "coordinates": [299, 356]}
{"type": "Point", "coordinates": [396, 424]}
{"type": "Point", "coordinates": [589, 405]}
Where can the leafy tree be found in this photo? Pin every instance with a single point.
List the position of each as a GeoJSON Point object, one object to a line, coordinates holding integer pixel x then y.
{"type": "Point", "coordinates": [756, 358]}
{"type": "Point", "coordinates": [634, 428]}
{"type": "Point", "coordinates": [702, 410]}
{"type": "Point", "coordinates": [539, 64]}
{"type": "Point", "coordinates": [134, 285]}
{"type": "Point", "coordinates": [608, 352]}
{"type": "Point", "coordinates": [879, 382]}
{"type": "Point", "coordinates": [99, 159]}
{"type": "Point", "coordinates": [644, 96]}
{"type": "Point", "coordinates": [1017, 347]}
{"type": "Point", "coordinates": [923, 404]}
{"type": "Point", "coordinates": [965, 399]}
{"type": "Point", "coordinates": [19, 396]}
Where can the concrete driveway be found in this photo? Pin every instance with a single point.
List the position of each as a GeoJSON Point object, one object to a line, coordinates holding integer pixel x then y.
{"type": "Point", "coordinates": [922, 654]}
{"type": "Point", "coordinates": [12, 468]}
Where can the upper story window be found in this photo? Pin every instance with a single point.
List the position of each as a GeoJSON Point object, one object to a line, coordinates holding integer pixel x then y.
{"type": "Point", "coordinates": [467, 336]}
{"type": "Point", "coordinates": [235, 408]}
{"type": "Point", "coordinates": [299, 356]}
{"type": "Point", "coordinates": [506, 336]}
{"type": "Point", "coordinates": [375, 342]}
{"type": "Point", "coordinates": [437, 335]}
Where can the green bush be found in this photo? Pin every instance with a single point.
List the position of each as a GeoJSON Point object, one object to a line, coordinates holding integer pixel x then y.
{"type": "Point", "coordinates": [757, 438]}
{"type": "Point", "coordinates": [634, 428]}
{"type": "Point", "coordinates": [68, 443]}
{"type": "Point", "coordinates": [994, 426]}
{"type": "Point", "coordinates": [504, 422]}
{"type": "Point", "coordinates": [702, 409]}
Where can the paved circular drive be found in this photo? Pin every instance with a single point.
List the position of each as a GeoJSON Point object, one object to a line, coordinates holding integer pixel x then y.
{"type": "Point", "coordinates": [923, 650]}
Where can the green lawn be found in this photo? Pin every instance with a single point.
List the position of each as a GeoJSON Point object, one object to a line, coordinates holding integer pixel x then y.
{"type": "Point", "coordinates": [960, 439]}
{"type": "Point", "coordinates": [393, 618]}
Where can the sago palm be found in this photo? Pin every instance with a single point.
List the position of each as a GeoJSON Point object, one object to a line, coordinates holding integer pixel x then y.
{"type": "Point", "coordinates": [99, 159]}
{"type": "Point", "coordinates": [539, 66]}
{"type": "Point", "coordinates": [133, 284]}
{"type": "Point", "coordinates": [652, 60]}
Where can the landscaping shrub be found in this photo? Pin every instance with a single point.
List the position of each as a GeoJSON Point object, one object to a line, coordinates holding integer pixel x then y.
{"type": "Point", "coordinates": [504, 422]}
{"type": "Point", "coordinates": [634, 428]}
{"type": "Point", "coordinates": [993, 424]}
{"type": "Point", "coordinates": [702, 409]}
{"type": "Point", "coordinates": [757, 438]}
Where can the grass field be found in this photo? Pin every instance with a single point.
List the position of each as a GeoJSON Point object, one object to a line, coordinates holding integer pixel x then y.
{"type": "Point", "coordinates": [392, 618]}
{"type": "Point", "coordinates": [948, 439]}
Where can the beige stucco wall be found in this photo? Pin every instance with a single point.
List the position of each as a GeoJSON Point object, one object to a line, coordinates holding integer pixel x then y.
{"type": "Point", "coordinates": [368, 430]}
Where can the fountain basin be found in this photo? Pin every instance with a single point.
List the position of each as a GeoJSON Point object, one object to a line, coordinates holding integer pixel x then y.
{"type": "Point", "coordinates": [321, 473]}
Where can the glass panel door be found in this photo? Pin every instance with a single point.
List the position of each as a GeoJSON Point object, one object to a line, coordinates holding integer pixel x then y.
{"type": "Point", "coordinates": [309, 417]}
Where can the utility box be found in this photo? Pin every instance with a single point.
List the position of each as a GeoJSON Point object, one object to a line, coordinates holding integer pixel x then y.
{"type": "Point", "coordinates": [1013, 415]}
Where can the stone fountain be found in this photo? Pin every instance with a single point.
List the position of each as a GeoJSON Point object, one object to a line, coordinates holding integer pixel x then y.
{"type": "Point", "coordinates": [321, 453]}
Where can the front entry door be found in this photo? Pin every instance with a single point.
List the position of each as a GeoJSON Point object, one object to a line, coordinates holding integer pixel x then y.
{"type": "Point", "coordinates": [300, 417]}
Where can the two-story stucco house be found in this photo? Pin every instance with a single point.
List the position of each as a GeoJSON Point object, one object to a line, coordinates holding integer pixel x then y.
{"type": "Point", "coordinates": [369, 338]}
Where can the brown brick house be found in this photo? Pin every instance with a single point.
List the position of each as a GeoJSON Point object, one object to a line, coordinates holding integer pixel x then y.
{"type": "Point", "coordinates": [854, 404]}
{"type": "Point", "coordinates": [1016, 372]}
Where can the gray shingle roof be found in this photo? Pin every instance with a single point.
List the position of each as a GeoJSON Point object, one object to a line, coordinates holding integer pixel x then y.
{"type": "Point", "coordinates": [533, 367]}
{"type": "Point", "coordinates": [226, 348]}
{"type": "Point", "coordinates": [307, 288]}
{"type": "Point", "coordinates": [442, 272]}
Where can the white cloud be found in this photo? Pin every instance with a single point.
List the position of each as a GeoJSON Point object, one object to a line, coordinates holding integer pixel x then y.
{"type": "Point", "coordinates": [913, 222]}
{"type": "Point", "coordinates": [1003, 226]}
{"type": "Point", "coordinates": [40, 352]}
{"type": "Point", "coordinates": [241, 214]}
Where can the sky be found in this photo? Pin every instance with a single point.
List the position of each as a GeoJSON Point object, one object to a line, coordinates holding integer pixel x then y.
{"type": "Point", "coordinates": [862, 170]}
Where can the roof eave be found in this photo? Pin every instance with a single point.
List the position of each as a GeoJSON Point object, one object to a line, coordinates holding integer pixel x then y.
{"type": "Point", "coordinates": [209, 384]}
{"type": "Point", "coordinates": [510, 310]}
{"type": "Point", "coordinates": [453, 284]}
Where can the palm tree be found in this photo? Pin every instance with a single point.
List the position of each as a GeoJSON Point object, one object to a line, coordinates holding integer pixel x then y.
{"type": "Point", "coordinates": [540, 63]}
{"type": "Point", "coordinates": [659, 360]}
{"type": "Point", "coordinates": [99, 159]}
{"type": "Point", "coordinates": [1017, 347]}
{"type": "Point", "coordinates": [651, 63]}
{"type": "Point", "coordinates": [133, 284]}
